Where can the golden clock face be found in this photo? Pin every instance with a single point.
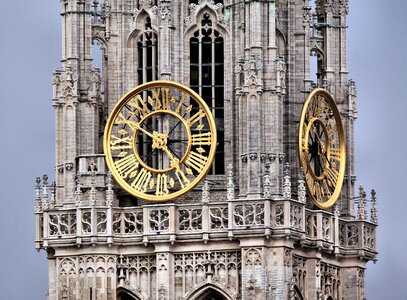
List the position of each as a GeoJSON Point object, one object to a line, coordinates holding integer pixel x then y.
{"type": "Point", "coordinates": [322, 148]}
{"type": "Point", "coordinates": [160, 140]}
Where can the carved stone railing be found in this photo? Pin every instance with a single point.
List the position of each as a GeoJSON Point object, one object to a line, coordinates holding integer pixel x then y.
{"type": "Point", "coordinates": [91, 224]}
{"type": "Point", "coordinates": [358, 238]}
{"type": "Point", "coordinates": [93, 219]}
{"type": "Point", "coordinates": [320, 229]}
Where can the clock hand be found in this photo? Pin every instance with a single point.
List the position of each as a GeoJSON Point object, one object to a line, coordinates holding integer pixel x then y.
{"type": "Point", "coordinates": [322, 148]}
{"type": "Point", "coordinates": [136, 126]}
{"type": "Point", "coordinates": [160, 142]}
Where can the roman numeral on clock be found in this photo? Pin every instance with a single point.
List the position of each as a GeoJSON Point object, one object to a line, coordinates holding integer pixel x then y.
{"type": "Point", "coordinates": [121, 143]}
{"type": "Point", "coordinates": [161, 97]}
{"type": "Point", "coordinates": [196, 117]}
{"type": "Point", "coordinates": [332, 131]}
{"type": "Point", "coordinates": [127, 166]}
{"type": "Point", "coordinates": [136, 102]}
{"type": "Point", "coordinates": [196, 161]}
{"type": "Point", "coordinates": [161, 185]}
{"type": "Point", "coordinates": [335, 153]}
{"type": "Point", "coordinates": [200, 139]}
{"type": "Point", "coordinates": [317, 191]}
{"type": "Point", "coordinates": [182, 179]}
{"type": "Point", "coordinates": [142, 180]}
{"type": "Point", "coordinates": [326, 190]}
{"type": "Point", "coordinates": [181, 102]}
{"type": "Point", "coordinates": [331, 176]}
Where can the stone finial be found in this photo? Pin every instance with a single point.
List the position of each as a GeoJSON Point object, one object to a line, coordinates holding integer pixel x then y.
{"type": "Point", "coordinates": [230, 185]}
{"type": "Point", "coordinates": [45, 195]}
{"type": "Point", "coordinates": [352, 94]}
{"type": "Point", "coordinates": [205, 192]}
{"type": "Point", "coordinates": [121, 267]}
{"type": "Point", "coordinates": [302, 192]}
{"type": "Point", "coordinates": [64, 293]}
{"type": "Point", "coordinates": [92, 199]}
{"type": "Point", "coordinates": [162, 292]}
{"type": "Point", "coordinates": [336, 209]}
{"type": "Point", "coordinates": [362, 204]}
{"type": "Point", "coordinates": [250, 288]}
{"type": "Point", "coordinates": [109, 191]}
{"type": "Point", "coordinates": [287, 181]}
{"type": "Point", "coordinates": [78, 190]}
{"type": "Point", "coordinates": [52, 200]}
{"type": "Point", "coordinates": [373, 209]}
{"type": "Point", "coordinates": [37, 197]}
{"type": "Point", "coordinates": [319, 294]}
{"type": "Point", "coordinates": [267, 183]}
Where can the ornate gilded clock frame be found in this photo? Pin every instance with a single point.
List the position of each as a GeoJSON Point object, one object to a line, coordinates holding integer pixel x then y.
{"type": "Point", "coordinates": [169, 106]}
{"type": "Point", "coordinates": [324, 188]}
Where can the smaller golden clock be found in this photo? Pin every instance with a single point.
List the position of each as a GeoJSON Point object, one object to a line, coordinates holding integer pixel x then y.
{"type": "Point", "coordinates": [321, 148]}
{"type": "Point", "coordinates": [160, 140]}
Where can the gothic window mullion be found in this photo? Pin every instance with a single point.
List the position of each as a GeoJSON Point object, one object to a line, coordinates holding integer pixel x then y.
{"type": "Point", "coordinates": [154, 58]}
{"type": "Point", "coordinates": [213, 83]}
{"type": "Point", "coordinates": [200, 73]}
{"type": "Point", "coordinates": [144, 51]}
{"type": "Point", "coordinates": [206, 70]}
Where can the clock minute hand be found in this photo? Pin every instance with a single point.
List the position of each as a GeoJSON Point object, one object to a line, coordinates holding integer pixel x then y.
{"type": "Point", "coordinates": [136, 126]}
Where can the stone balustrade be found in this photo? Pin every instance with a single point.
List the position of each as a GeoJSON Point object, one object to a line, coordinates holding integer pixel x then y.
{"type": "Point", "coordinates": [280, 218]}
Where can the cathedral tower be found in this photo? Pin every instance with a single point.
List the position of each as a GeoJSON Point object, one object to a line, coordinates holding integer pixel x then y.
{"type": "Point", "coordinates": [249, 230]}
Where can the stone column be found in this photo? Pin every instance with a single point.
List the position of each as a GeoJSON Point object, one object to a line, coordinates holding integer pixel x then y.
{"type": "Point", "coordinates": [165, 281]}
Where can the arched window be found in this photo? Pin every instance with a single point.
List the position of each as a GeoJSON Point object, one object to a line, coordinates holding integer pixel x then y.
{"type": "Point", "coordinates": [147, 70]}
{"type": "Point", "coordinates": [147, 54]}
{"type": "Point", "coordinates": [124, 295]}
{"type": "Point", "coordinates": [197, 1]}
{"type": "Point", "coordinates": [211, 295]}
{"type": "Point", "coordinates": [207, 79]}
{"type": "Point", "coordinates": [99, 61]}
{"type": "Point", "coordinates": [316, 67]}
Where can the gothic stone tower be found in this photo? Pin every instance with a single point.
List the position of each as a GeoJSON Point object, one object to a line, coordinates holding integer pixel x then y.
{"type": "Point", "coordinates": [248, 231]}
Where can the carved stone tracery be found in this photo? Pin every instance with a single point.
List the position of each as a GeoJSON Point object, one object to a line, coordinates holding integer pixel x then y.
{"type": "Point", "coordinates": [199, 268]}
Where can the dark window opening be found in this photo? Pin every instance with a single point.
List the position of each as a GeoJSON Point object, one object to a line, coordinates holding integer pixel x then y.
{"type": "Point", "coordinates": [207, 79]}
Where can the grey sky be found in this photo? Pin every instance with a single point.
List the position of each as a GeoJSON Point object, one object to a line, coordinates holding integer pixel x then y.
{"type": "Point", "coordinates": [30, 50]}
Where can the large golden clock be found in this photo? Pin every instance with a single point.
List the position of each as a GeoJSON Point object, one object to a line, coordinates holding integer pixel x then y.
{"type": "Point", "coordinates": [321, 143]}
{"type": "Point", "coordinates": [160, 140]}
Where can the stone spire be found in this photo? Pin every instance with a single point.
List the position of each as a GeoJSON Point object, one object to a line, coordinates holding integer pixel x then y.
{"type": "Point", "coordinates": [78, 190]}
{"type": "Point", "coordinates": [92, 199]}
{"type": "Point", "coordinates": [373, 209]}
{"type": "Point", "coordinates": [37, 197]}
{"type": "Point", "coordinates": [45, 195]}
{"type": "Point", "coordinates": [230, 185]}
{"type": "Point", "coordinates": [52, 200]}
{"type": "Point", "coordinates": [362, 204]}
{"type": "Point", "coordinates": [301, 186]}
{"type": "Point", "coordinates": [287, 182]}
{"type": "Point", "coordinates": [205, 192]}
{"type": "Point", "coordinates": [109, 191]}
{"type": "Point", "coordinates": [267, 183]}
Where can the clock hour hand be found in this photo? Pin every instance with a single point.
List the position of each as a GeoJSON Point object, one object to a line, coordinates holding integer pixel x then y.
{"type": "Point", "coordinates": [322, 148]}
{"type": "Point", "coordinates": [160, 142]}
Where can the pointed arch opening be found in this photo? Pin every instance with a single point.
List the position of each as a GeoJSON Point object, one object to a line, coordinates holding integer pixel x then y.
{"type": "Point", "coordinates": [297, 294]}
{"type": "Point", "coordinates": [316, 67]}
{"type": "Point", "coordinates": [197, 2]}
{"type": "Point", "coordinates": [209, 292]}
{"type": "Point", "coordinates": [207, 78]}
{"type": "Point", "coordinates": [123, 294]}
{"type": "Point", "coordinates": [147, 53]}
